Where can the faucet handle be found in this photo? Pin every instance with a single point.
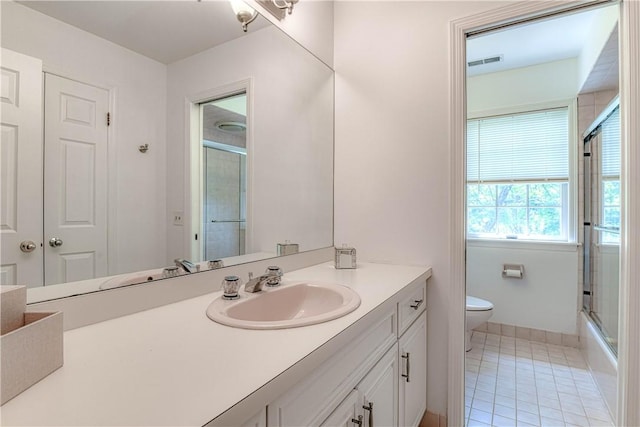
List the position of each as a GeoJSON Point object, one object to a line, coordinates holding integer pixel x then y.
{"type": "Point", "coordinates": [274, 269]}
{"type": "Point", "coordinates": [172, 271]}
{"type": "Point", "coordinates": [230, 286]}
{"type": "Point", "coordinates": [215, 263]}
{"type": "Point", "coordinates": [275, 275]}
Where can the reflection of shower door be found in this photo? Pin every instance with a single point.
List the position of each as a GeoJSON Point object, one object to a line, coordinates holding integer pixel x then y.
{"type": "Point", "coordinates": [224, 210]}
{"type": "Point", "coordinates": [602, 227]}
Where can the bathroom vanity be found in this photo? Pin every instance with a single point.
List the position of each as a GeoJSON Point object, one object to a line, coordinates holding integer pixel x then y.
{"type": "Point", "coordinates": [172, 365]}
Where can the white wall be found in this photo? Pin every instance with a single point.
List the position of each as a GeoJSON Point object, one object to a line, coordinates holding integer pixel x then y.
{"type": "Point", "coordinates": [291, 156]}
{"type": "Point", "coordinates": [603, 24]}
{"type": "Point", "coordinates": [504, 90]}
{"type": "Point", "coordinates": [310, 24]}
{"type": "Point", "coordinates": [545, 298]}
{"type": "Point", "coordinates": [392, 146]}
{"type": "Point", "coordinates": [138, 85]}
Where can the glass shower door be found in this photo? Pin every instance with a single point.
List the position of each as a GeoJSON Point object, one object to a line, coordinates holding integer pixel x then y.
{"type": "Point", "coordinates": [224, 203]}
{"type": "Point", "coordinates": [602, 227]}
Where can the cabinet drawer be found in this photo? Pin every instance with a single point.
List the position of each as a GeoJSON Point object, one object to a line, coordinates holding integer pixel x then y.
{"type": "Point", "coordinates": [410, 307]}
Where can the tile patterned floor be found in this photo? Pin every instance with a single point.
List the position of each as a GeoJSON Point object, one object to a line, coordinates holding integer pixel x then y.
{"type": "Point", "coordinates": [515, 382]}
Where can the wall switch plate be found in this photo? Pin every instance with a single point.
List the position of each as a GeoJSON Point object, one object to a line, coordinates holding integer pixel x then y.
{"type": "Point", "coordinates": [177, 218]}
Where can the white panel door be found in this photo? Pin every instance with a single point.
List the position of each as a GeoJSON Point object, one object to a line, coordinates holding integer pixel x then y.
{"type": "Point", "coordinates": [21, 170]}
{"type": "Point", "coordinates": [75, 184]}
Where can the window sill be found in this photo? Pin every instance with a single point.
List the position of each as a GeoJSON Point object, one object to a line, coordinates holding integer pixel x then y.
{"type": "Point", "coordinates": [524, 244]}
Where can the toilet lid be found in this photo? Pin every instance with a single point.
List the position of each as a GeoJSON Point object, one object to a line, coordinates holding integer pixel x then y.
{"type": "Point", "coordinates": [477, 304]}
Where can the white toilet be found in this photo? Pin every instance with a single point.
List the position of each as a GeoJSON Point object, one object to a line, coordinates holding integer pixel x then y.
{"type": "Point", "coordinates": [478, 312]}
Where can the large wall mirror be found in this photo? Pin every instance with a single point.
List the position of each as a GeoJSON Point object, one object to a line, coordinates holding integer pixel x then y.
{"type": "Point", "coordinates": [138, 133]}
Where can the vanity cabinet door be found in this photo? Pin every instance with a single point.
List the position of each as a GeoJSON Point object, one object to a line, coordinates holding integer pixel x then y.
{"type": "Point", "coordinates": [379, 392]}
{"type": "Point", "coordinates": [347, 414]}
{"type": "Point", "coordinates": [413, 373]}
{"type": "Point", "coordinates": [315, 398]}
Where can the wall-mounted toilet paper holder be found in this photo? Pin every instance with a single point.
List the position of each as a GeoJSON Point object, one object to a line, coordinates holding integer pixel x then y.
{"type": "Point", "coordinates": [512, 271]}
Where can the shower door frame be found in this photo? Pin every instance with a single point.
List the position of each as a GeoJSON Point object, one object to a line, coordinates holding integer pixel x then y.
{"type": "Point", "coordinates": [593, 220]}
{"type": "Point", "coordinates": [239, 222]}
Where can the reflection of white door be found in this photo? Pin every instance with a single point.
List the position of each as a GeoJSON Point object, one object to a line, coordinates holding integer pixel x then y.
{"type": "Point", "coordinates": [75, 180]}
{"type": "Point", "coordinates": [21, 169]}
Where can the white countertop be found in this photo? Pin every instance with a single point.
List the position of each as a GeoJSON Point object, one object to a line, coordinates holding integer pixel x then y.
{"type": "Point", "coordinates": [173, 366]}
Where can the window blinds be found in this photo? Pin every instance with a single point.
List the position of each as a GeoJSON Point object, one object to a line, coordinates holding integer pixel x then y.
{"type": "Point", "coordinates": [528, 146]}
{"type": "Point", "coordinates": [611, 145]}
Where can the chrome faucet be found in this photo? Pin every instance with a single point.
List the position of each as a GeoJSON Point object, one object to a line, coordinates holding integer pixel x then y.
{"type": "Point", "coordinates": [271, 278]}
{"type": "Point", "coordinates": [187, 266]}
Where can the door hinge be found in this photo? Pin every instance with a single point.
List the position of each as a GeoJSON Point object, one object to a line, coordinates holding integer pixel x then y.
{"type": "Point", "coordinates": [108, 119]}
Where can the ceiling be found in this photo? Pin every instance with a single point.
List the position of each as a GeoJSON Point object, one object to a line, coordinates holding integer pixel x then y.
{"type": "Point", "coordinates": [170, 30]}
{"type": "Point", "coordinates": [166, 31]}
{"type": "Point", "coordinates": [605, 74]}
{"type": "Point", "coordinates": [533, 43]}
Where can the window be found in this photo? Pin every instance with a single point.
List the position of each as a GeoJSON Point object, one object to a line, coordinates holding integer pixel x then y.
{"type": "Point", "coordinates": [518, 176]}
{"type": "Point", "coordinates": [610, 164]}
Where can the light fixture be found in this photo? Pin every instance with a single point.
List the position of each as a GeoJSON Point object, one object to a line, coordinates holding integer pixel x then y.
{"type": "Point", "coordinates": [278, 8]}
{"type": "Point", "coordinates": [245, 13]}
{"type": "Point", "coordinates": [287, 4]}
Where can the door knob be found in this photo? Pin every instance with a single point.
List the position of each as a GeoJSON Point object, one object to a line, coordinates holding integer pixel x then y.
{"type": "Point", "coordinates": [55, 242]}
{"type": "Point", "coordinates": [27, 246]}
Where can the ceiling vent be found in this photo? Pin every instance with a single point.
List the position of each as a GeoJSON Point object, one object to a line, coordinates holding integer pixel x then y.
{"type": "Point", "coordinates": [231, 127]}
{"type": "Point", "coordinates": [490, 60]}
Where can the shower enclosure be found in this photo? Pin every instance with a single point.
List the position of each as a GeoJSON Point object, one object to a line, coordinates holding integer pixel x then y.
{"type": "Point", "coordinates": [224, 176]}
{"type": "Point", "coordinates": [602, 222]}
{"type": "Point", "coordinates": [224, 203]}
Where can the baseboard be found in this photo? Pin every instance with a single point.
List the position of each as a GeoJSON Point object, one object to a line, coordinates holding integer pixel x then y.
{"type": "Point", "coordinates": [537, 335]}
{"type": "Point", "coordinates": [431, 419]}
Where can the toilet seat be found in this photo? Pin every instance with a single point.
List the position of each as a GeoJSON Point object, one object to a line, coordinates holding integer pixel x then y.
{"type": "Point", "coordinates": [478, 304]}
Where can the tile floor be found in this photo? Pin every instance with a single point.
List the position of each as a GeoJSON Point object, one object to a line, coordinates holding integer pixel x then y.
{"type": "Point", "coordinates": [515, 382]}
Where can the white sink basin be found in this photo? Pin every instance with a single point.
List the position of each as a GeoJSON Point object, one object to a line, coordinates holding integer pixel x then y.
{"type": "Point", "coordinates": [287, 306]}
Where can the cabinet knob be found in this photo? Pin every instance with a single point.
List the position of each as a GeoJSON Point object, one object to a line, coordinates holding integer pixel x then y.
{"type": "Point", "coordinates": [416, 303]}
{"type": "Point", "coordinates": [357, 421]}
